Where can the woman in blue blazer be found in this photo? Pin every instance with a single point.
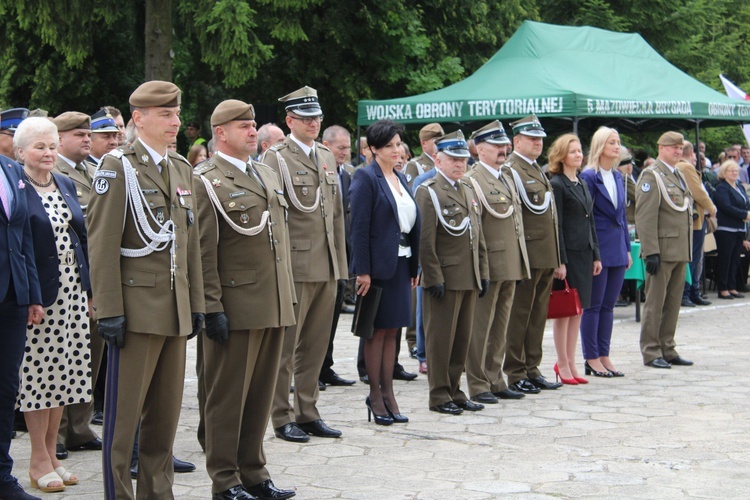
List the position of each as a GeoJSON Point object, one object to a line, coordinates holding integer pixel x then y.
{"type": "Point", "coordinates": [732, 213]}
{"type": "Point", "coordinates": [385, 249]}
{"type": "Point", "coordinates": [56, 368]}
{"type": "Point", "coordinates": [606, 187]}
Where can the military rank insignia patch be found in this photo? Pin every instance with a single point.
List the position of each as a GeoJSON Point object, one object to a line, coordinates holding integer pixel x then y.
{"type": "Point", "coordinates": [101, 185]}
{"type": "Point", "coordinates": [645, 187]}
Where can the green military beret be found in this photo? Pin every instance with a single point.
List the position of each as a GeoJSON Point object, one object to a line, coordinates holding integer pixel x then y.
{"type": "Point", "coordinates": [231, 110]}
{"type": "Point", "coordinates": [72, 120]}
{"type": "Point", "coordinates": [156, 94]}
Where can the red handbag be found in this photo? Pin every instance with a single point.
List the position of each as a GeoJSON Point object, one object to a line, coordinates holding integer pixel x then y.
{"type": "Point", "coordinates": [564, 303]}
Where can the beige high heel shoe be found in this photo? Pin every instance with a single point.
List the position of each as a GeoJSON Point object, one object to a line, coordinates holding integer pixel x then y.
{"type": "Point", "coordinates": [66, 476]}
{"type": "Point", "coordinates": [43, 483]}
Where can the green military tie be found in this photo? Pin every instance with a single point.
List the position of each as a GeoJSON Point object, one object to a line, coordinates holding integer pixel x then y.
{"type": "Point", "coordinates": [164, 172]}
{"type": "Point", "coordinates": [84, 171]}
{"type": "Point", "coordinates": [312, 157]}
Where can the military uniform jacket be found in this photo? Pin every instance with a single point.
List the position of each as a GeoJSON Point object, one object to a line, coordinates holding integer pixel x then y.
{"type": "Point", "coordinates": [540, 230]}
{"type": "Point", "coordinates": [458, 261]}
{"type": "Point", "coordinates": [662, 229]}
{"type": "Point", "coordinates": [701, 199]}
{"type": "Point", "coordinates": [505, 240]}
{"type": "Point", "coordinates": [417, 166]}
{"type": "Point", "coordinates": [83, 186]}
{"type": "Point", "coordinates": [630, 197]}
{"type": "Point", "coordinates": [318, 244]}
{"type": "Point", "coordinates": [139, 287]}
{"type": "Point", "coordinates": [249, 277]}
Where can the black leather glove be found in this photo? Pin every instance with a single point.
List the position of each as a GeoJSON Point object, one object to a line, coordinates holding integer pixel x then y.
{"type": "Point", "coordinates": [436, 291]}
{"type": "Point", "coordinates": [113, 330]}
{"type": "Point", "coordinates": [198, 319]}
{"type": "Point", "coordinates": [485, 288]}
{"type": "Point", "coordinates": [652, 264]}
{"type": "Point", "coordinates": [217, 327]}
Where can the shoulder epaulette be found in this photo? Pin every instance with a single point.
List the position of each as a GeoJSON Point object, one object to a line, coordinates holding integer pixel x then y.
{"type": "Point", "coordinates": [263, 165]}
{"type": "Point", "coordinates": [321, 146]}
{"type": "Point", "coordinates": [466, 184]}
{"type": "Point", "coordinates": [278, 147]}
{"type": "Point", "coordinates": [203, 167]}
{"type": "Point", "coordinates": [429, 182]}
{"type": "Point", "coordinates": [117, 153]}
{"type": "Point", "coordinates": [177, 156]}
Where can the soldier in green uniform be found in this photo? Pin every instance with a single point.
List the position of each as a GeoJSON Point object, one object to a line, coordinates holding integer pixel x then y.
{"type": "Point", "coordinates": [529, 311]}
{"type": "Point", "coordinates": [249, 287]}
{"type": "Point", "coordinates": [318, 249]}
{"type": "Point", "coordinates": [664, 221]}
{"type": "Point", "coordinates": [502, 226]}
{"type": "Point", "coordinates": [426, 161]}
{"type": "Point", "coordinates": [146, 275]}
{"type": "Point", "coordinates": [453, 257]}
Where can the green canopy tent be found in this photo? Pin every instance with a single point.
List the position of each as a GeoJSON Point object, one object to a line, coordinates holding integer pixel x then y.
{"type": "Point", "coordinates": [578, 76]}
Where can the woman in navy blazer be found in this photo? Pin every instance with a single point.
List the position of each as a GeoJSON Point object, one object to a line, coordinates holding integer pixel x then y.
{"type": "Point", "coordinates": [732, 213]}
{"type": "Point", "coordinates": [56, 365]}
{"type": "Point", "coordinates": [385, 249]}
{"type": "Point", "coordinates": [610, 200]}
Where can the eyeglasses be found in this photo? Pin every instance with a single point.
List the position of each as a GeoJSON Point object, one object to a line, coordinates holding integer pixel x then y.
{"type": "Point", "coordinates": [307, 120]}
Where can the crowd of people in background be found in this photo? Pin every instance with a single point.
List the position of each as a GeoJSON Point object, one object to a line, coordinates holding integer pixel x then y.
{"type": "Point", "coordinates": [256, 241]}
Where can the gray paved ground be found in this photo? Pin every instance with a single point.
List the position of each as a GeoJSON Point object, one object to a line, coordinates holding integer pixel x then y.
{"type": "Point", "coordinates": [683, 432]}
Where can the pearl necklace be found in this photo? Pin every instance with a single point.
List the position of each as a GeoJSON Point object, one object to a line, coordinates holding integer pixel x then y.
{"type": "Point", "coordinates": [39, 184]}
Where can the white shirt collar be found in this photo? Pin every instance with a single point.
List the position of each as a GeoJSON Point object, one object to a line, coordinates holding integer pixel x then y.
{"type": "Point", "coordinates": [67, 160]}
{"type": "Point", "coordinates": [670, 167]}
{"type": "Point", "coordinates": [495, 173]}
{"type": "Point", "coordinates": [530, 162]}
{"type": "Point", "coordinates": [305, 148]}
{"type": "Point", "coordinates": [242, 165]}
{"type": "Point", "coordinates": [152, 153]}
{"type": "Point", "coordinates": [452, 183]}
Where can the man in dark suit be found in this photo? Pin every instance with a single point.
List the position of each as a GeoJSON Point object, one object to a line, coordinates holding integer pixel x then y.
{"type": "Point", "coordinates": [20, 303]}
{"type": "Point", "coordinates": [339, 141]}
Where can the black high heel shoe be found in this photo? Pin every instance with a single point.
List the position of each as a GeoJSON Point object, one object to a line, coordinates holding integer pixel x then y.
{"type": "Point", "coordinates": [379, 420]}
{"type": "Point", "coordinates": [615, 373]}
{"type": "Point", "coordinates": [590, 371]}
{"type": "Point", "coordinates": [396, 417]}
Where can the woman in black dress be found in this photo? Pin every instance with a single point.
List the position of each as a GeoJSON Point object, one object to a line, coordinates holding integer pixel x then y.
{"type": "Point", "coordinates": [579, 248]}
{"type": "Point", "coordinates": [385, 250]}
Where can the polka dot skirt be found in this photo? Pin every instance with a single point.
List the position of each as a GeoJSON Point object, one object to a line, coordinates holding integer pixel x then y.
{"type": "Point", "coordinates": [56, 367]}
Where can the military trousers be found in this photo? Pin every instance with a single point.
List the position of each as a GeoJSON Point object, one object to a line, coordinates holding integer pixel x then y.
{"type": "Point", "coordinates": [145, 379]}
{"type": "Point", "coordinates": [484, 363]}
{"type": "Point", "coordinates": [75, 425]}
{"type": "Point", "coordinates": [240, 377]}
{"type": "Point", "coordinates": [660, 311]}
{"type": "Point", "coordinates": [302, 355]}
{"type": "Point", "coordinates": [528, 316]}
{"type": "Point", "coordinates": [448, 323]}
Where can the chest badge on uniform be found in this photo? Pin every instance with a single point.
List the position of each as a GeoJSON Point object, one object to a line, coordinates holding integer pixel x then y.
{"type": "Point", "coordinates": [231, 204]}
{"type": "Point", "coordinates": [474, 204]}
{"type": "Point", "coordinates": [216, 183]}
{"type": "Point", "coordinates": [144, 158]}
{"type": "Point", "coordinates": [645, 187]}
{"type": "Point", "coordinates": [502, 198]}
{"type": "Point", "coordinates": [452, 222]}
{"type": "Point", "coordinates": [445, 211]}
{"type": "Point", "coordinates": [244, 218]}
{"type": "Point", "coordinates": [304, 191]}
{"type": "Point", "coordinates": [160, 216]}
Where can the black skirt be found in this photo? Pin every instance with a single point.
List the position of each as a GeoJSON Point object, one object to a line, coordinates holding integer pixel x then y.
{"type": "Point", "coordinates": [394, 310]}
{"type": "Point", "coordinates": [580, 274]}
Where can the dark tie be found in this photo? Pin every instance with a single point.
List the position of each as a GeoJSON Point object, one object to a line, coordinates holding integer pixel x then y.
{"type": "Point", "coordinates": [254, 175]}
{"type": "Point", "coordinates": [84, 171]}
{"type": "Point", "coordinates": [164, 172]}
{"type": "Point", "coordinates": [313, 158]}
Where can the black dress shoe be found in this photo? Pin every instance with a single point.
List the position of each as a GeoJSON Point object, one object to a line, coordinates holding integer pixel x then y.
{"type": "Point", "coordinates": [726, 297]}
{"type": "Point", "coordinates": [450, 408]}
{"type": "Point", "coordinates": [11, 490]}
{"type": "Point", "coordinates": [404, 375]}
{"type": "Point", "coordinates": [542, 383]}
{"type": "Point", "coordinates": [687, 303]}
{"type": "Point", "coordinates": [525, 387]}
{"type": "Point", "coordinates": [321, 386]}
{"type": "Point", "coordinates": [94, 444]}
{"type": "Point", "coordinates": [320, 429]}
{"type": "Point", "coordinates": [658, 363]}
{"type": "Point", "coordinates": [267, 491]}
{"type": "Point", "coordinates": [737, 295]}
{"type": "Point", "coordinates": [700, 301]}
{"type": "Point", "coordinates": [60, 452]}
{"type": "Point", "coordinates": [334, 379]}
{"type": "Point", "coordinates": [182, 465]}
{"type": "Point", "coordinates": [364, 379]}
{"type": "Point", "coordinates": [234, 493]}
{"type": "Point", "coordinates": [97, 418]}
{"type": "Point", "coordinates": [509, 394]}
{"type": "Point", "coordinates": [291, 432]}
{"type": "Point", "coordinates": [470, 406]}
{"type": "Point", "coordinates": [679, 361]}
{"type": "Point", "coordinates": [485, 398]}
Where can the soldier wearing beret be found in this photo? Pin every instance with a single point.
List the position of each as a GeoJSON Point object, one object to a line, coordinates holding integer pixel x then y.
{"type": "Point", "coordinates": [74, 129]}
{"type": "Point", "coordinates": [9, 121]}
{"type": "Point", "coordinates": [502, 226]}
{"type": "Point", "coordinates": [529, 311]}
{"type": "Point", "coordinates": [426, 161]}
{"type": "Point", "coordinates": [246, 261]}
{"type": "Point", "coordinates": [453, 257]}
{"type": "Point", "coordinates": [318, 251]}
{"type": "Point", "coordinates": [146, 274]}
{"type": "Point", "coordinates": [664, 221]}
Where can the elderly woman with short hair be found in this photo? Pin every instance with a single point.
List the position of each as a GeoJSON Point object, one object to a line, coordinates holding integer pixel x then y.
{"type": "Point", "coordinates": [732, 212]}
{"type": "Point", "coordinates": [56, 365]}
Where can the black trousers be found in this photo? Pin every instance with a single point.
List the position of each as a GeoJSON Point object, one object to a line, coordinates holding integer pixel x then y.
{"type": "Point", "coordinates": [729, 247]}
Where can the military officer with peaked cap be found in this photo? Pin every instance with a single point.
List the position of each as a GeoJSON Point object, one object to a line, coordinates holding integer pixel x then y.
{"type": "Point", "coordinates": [249, 288]}
{"type": "Point", "coordinates": [529, 310]}
{"type": "Point", "coordinates": [9, 121]}
{"type": "Point", "coordinates": [74, 128]}
{"type": "Point", "coordinates": [318, 249]}
{"type": "Point", "coordinates": [426, 161]}
{"type": "Point", "coordinates": [453, 257]}
{"type": "Point", "coordinates": [664, 221]}
{"type": "Point", "coordinates": [146, 275]}
{"type": "Point", "coordinates": [104, 135]}
{"type": "Point", "coordinates": [502, 226]}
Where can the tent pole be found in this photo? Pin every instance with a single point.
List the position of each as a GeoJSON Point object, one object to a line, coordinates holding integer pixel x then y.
{"type": "Point", "coordinates": [696, 149]}
{"type": "Point", "coordinates": [575, 125]}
